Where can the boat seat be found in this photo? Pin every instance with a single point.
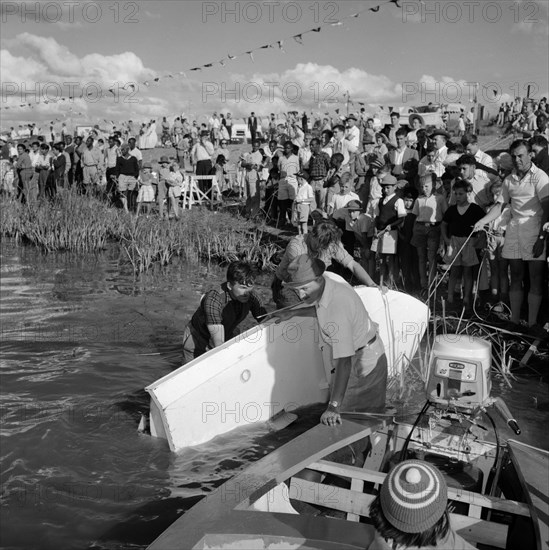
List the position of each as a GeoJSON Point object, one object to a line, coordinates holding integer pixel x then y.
{"type": "Point", "coordinates": [472, 529]}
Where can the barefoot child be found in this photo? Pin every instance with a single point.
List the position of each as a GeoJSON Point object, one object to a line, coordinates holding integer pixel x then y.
{"type": "Point", "coordinates": [302, 203]}
{"type": "Point", "coordinates": [457, 223]}
{"type": "Point", "coordinates": [174, 185]}
{"type": "Point", "coordinates": [145, 196]}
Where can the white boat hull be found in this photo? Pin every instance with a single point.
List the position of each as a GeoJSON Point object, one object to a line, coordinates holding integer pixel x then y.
{"type": "Point", "coordinates": [268, 369]}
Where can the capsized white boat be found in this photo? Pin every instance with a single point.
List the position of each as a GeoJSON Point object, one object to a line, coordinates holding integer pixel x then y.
{"type": "Point", "coordinates": [270, 369]}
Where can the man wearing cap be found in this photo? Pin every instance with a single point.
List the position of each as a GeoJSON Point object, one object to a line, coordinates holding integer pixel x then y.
{"type": "Point", "coordinates": [353, 133]}
{"type": "Point", "coordinates": [348, 338]}
{"type": "Point", "coordinates": [411, 510]}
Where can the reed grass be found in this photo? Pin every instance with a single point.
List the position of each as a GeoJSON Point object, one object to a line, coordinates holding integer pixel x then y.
{"type": "Point", "coordinates": [81, 224]}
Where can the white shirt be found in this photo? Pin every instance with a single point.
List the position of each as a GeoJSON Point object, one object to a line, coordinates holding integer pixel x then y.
{"type": "Point", "coordinates": [339, 201]}
{"type": "Point", "coordinates": [344, 147]}
{"type": "Point", "coordinates": [137, 154]}
{"type": "Point", "coordinates": [354, 134]}
{"type": "Point", "coordinates": [526, 195]}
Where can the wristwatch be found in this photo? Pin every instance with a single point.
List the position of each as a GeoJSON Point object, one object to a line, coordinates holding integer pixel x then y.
{"type": "Point", "coordinates": [541, 237]}
{"type": "Point", "coordinates": [333, 404]}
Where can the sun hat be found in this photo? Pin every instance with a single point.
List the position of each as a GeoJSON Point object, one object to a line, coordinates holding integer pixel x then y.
{"type": "Point", "coordinates": [413, 116]}
{"type": "Point", "coordinates": [164, 159]}
{"type": "Point", "coordinates": [382, 136]}
{"type": "Point", "coordinates": [353, 206]}
{"type": "Point", "coordinates": [376, 164]}
{"type": "Point", "coordinates": [147, 165]}
{"type": "Point", "coordinates": [388, 179]}
{"type": "Point", "coordinates": [351, 117]}
{"type": "Point", "coordinates": [304, 270]}
{"type": "Point", "coordinates": [413, 496]}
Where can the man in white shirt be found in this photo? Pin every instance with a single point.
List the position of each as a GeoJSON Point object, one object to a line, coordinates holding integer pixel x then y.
{"type": "Point", "coordinates": [342, 145]}
{"type": "Point", "coordinates": [353, 133]}
{"type": "Point", "coordinates": [438, 139]}
{"type": "Point", "coordinates": [526, 190]}
{"type": "Point", "coordinates": [470, 142]}
{"type": "Point", "coordinates": [135, 152]}
{"type": "Point", "coordinates": [305, 153]}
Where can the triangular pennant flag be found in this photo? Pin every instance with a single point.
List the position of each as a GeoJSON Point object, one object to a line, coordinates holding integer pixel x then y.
{"type": "Point", "coordinates": [169, 75]}
{"type": "Point", "coordinates": [375, 10]}
{"type": "Point", "coordinates": [265, 47]}
{"type": "Point", "coordinates": [132, 86]}
{"type": "Point", "coordinates": [360, 103]}
{"type": "Point", "coordinates": [355, 15]}
{"type": "Point", "coordinates": [231, 56]}
{"type": "Point", "coordinates": [182, 73]}
{"type": "Point", "coordinates": [208, 65]}
{"type": "Point", "coordinates": [196, 69]}
{"type": "Point", "coordinates": [381, 107]}
{"type": "Point", "coordinates": [251, 54]}
{"type": "Point", "coordinates": [222, 62]}
{"type": "Point", "coordinates": [157, 79]}
{"type": "Point", "coordinates": [147, 83]}
{"type": "Point", "coordinates": [281, 45]}
{"type": "Point", "coordinates": [298, 38]}
{"type": "Point", "coordinates": [316, 30]}
{"type": "Point", "coordinates": [495, 92]}
{"type": "Point", "coordinates": [395, 2]}
{"type": "Point", "coordinates": [337, 111]}
{"type": "Point", "coordinates": [336, 24]}
{"type": "Point", "coordinates": [111, 90]}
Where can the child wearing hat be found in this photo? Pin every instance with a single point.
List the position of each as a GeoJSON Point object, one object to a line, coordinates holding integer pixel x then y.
{"type": "Point", "coordinates": [411, 510]}
{"type": "Point", "coordinates": [389, 215]}
{"type": "Point", "coordinates": [380, 148]}
{"type": "Point", "coordinates": [302, 203]}
{"type": "Point", "coordinates": [146, 190]}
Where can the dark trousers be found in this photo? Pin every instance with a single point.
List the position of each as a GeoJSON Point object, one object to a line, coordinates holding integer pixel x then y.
{"type": "Point", "coordinates": [204, 168]}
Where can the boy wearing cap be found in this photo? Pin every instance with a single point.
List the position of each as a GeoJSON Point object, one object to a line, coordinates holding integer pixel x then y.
{"type": "Point", "coordinates": [411, 510]}
{"type": "Point", "coordinates": [355, 226]}
{"type": "Point", "coordinates": [348, 338]}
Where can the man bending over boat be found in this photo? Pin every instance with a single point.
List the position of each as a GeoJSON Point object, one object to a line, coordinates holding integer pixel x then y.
{"type": "Point", "coordinates": [356, 350]}
{"type": "Point", "coordinates": [220, 312]}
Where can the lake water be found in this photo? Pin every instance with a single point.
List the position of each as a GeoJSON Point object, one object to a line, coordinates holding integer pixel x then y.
{"type": "Point", "coordinates": [80, 339]}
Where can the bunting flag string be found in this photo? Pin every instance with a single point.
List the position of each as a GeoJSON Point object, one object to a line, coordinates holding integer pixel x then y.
{"type": "Point", "coordinates": [278, 44]}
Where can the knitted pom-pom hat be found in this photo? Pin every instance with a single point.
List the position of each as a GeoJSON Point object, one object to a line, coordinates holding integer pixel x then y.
{"type": "Point", "coordinates": [413, 496]}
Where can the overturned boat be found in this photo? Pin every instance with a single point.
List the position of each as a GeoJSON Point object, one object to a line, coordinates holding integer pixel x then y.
{"type": "Point", "coordinates": [271, 370]}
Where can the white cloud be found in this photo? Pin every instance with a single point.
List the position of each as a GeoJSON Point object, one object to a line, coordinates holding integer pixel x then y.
{"type": "Point", "coordinates": [531, 17]}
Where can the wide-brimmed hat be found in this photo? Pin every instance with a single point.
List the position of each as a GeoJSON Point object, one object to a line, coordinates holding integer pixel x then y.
{"type": "Point", "coordinates": [413, 116]}
{"type": "Point", "coordinates": [353, 206]}
{"type": "Point", "coordinates": [440, 132]}
{"type": "Point", "coordinates": [382, 136]}
{"type": "Point", "coordinates": [413, 496]}
{"type": "Point", "coordinates": [388, 179]}
{"type": "Point", "coordinates": [352, 117]}
{"type": "Point", "coordinates": [147, 165]}
{"type": "Point", "coordinates": [164, 160]}
{"type": "Point", "coordinates": [304, 270]}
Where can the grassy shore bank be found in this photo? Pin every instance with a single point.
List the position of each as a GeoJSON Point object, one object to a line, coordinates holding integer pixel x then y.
{"type": "Point", "coordinates": [80, 223]}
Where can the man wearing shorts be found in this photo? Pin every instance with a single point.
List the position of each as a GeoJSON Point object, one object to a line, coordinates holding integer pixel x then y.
{"type": "Point", "coordinates": [526, 190]}
{"type": "Point", "coordinates": [127, 172]}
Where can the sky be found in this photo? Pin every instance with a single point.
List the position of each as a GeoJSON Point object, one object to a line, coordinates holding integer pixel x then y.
{"type": "Point", "coordinates": [90, 60]}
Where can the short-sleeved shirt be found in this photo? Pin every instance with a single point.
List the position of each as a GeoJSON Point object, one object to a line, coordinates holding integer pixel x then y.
{"type": "Point", "coordinates": [218, 308]}
{"type": "Point", "coordinates": [461, 225]}
{"type": "Point", "coordinates": [298, 246]}
{"type": "Point", "coordinates": [430, 209]}
{"type": "Point", "coordinates": [343, 321]}
{"type": "Point", "coordinates": [526, 195]}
